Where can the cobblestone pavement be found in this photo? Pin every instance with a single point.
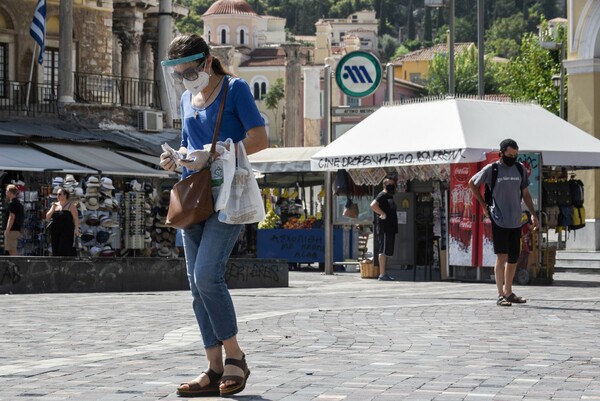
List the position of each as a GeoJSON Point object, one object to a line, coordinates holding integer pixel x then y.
{"type": "Point", "coordinates": [325, 338]}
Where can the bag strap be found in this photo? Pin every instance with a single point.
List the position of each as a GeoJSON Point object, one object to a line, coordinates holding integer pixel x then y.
{"type": "Point", "coordinates": [218, 124]}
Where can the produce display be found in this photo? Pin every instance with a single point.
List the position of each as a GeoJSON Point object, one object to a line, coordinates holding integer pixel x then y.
{"type": "Point", "coordinates": [271, 220]}
{"type": "Point", "coordinates": [286, 210]}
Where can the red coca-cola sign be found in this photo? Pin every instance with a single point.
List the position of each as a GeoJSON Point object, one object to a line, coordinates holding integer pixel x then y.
{"type": "Point", "coordinates": [462, 174]}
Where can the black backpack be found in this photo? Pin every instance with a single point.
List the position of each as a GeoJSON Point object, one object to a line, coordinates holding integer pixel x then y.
{"type": "Point", "coordinates": [576, 189]}
{"type": "Point", "coordinates": [489, 189]}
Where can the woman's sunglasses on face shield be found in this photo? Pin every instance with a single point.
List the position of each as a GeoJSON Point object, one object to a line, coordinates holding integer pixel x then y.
{"type": "Point", "coordinates": [190, 74]}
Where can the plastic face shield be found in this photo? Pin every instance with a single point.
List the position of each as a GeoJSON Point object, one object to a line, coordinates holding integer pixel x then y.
{"type": "Point", "coordinates": [174, 74]}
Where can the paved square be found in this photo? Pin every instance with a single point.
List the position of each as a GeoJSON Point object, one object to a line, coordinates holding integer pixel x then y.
{"type": "Point", "coordinates": [325, 338]}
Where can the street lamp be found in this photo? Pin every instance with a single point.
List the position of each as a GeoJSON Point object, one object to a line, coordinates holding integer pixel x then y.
{"type": "Point", "coordinates": [558, 80]}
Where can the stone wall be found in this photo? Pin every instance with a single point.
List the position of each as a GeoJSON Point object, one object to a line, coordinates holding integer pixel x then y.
{"type": "Point", "coordinates": [28, 275]}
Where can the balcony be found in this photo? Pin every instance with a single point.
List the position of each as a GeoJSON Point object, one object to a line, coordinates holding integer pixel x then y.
{"type": "Point", "coordinates": [88, 89]}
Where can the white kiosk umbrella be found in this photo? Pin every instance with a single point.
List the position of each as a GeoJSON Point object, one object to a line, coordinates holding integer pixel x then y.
{"type": "Point", "coordinates": [456, 131]}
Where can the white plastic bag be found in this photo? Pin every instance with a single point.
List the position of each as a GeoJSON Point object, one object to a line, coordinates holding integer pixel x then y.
{"type": "Point", "coordinates": [245, 203]}
{"type": "Point", "coordinates": [221, 171]}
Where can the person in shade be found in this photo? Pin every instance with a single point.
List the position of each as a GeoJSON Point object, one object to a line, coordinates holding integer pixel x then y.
{"type": "Point", "coordinates": [14, 223]}
{"type": "Point", "coordinates": [208, 244]}
{"type": "Point", "coordinates": [65, 225]}
{"type": "Point", "coordinates": [386, 224]}
{"type": "Point", "coordinates": [505, 213]}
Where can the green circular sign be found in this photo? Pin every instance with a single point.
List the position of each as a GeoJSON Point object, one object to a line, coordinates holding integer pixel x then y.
{"type": "Point", "coordinates": [358, 74]}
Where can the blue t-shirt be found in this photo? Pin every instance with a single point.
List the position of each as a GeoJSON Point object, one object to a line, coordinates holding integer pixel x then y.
{"type": "Point", "coordinates": [239, 115]}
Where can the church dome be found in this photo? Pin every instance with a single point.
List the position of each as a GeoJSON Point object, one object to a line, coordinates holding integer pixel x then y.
{"type": "Point", "coordinates": [229, 7]}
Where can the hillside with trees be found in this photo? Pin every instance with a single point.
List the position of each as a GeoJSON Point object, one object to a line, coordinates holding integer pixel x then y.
{"type": "Point", "coordinates": [408, 22]}
{"type": "Point", "coordinates": [511, 27]}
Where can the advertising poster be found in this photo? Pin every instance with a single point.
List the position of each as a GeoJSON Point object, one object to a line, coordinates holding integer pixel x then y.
{"type": "Point", "coordinates": [462, 226]}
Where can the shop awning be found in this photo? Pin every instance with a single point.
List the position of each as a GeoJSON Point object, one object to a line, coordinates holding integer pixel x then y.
{"type": "Point", "coordinates": [24, 158]}
{"type": "Point", "coordinates": [142, 157]}
{"type": "Point", "coordinates": [283, 160]}
{"type": "Point", "coordinates": [456, 131]}
{"type": "Point", "coordinates": [104, 160]}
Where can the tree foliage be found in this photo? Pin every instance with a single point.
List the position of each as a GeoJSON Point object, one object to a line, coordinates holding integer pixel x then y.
{"type": "Point", "coordinates": [466, 75]}
{"type": "Point", "coordinates": [274, 95]}
{"type": "Point", "coordinates": [528, 76]}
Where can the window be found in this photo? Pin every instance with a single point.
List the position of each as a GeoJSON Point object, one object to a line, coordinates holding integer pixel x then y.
{"type": "Point", "coordinates": [3, 69]}
{"type": "Point", "coordinates": [222, 35]}
{"type": "Point", "coordinates": [259, 87]}
{"type": "Point", "coordinates": [50, 74]}
{"type": "Point", "coordinates": [415, 77]}
{"type": "Point", "coordinates": [242, 33]}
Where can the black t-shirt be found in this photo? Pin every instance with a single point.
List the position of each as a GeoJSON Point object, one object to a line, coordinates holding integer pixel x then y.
{"type": "Point", "coordinates": [15, 207]}
{"type": "Point", "coordinates": [387, 204]}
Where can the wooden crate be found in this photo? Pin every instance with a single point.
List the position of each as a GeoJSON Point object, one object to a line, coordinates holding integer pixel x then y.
{"type": "Point", "coordinates": [368, 269]}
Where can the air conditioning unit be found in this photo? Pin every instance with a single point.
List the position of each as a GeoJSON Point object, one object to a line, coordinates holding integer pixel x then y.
{"type": "Point", "coordinates": [151, 121]}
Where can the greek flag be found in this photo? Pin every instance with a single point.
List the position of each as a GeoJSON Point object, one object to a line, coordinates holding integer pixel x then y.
{"type": "Point", "coordinates": [38, 27]}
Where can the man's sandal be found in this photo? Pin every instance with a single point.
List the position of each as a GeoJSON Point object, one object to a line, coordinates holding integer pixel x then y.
{"type": "Point", "coordinates": [194, 389]}
{"type": "Point", "coordinates": [501, 301]}
{"type": "Point", "coordinates": [515, 299]}
{"type": "Point", "coordinates": [240, 381]}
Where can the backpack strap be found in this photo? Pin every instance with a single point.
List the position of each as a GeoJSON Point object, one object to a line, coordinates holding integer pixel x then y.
{"type": "Point", "coordinates": [494, 177]}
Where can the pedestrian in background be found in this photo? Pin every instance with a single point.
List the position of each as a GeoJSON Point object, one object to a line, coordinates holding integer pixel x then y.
{"type": "Point", "coordinates": [208, 244]}
{"type": "Point", "coordinates": [505, 213]}
{"type": "Point", "coordinates": [14, 223]}
{"type": "Point", "coordinates": [64, 227]}
{"type": "Point", "coordinates": [386, 224]}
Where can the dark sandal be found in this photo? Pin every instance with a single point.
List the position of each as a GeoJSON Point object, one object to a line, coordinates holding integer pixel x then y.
{"type": "Point", "coordinates": [501, 301]}
{"type": "Point", "coordinates": [240, 381]}
{"type": "Point", "coordinates": [515, 299]}
{"type": "Point", "coordinates": [196, 390]}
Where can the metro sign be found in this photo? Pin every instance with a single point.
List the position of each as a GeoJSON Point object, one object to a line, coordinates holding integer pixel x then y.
{"type": "Point", "coordinates": [358, 74]}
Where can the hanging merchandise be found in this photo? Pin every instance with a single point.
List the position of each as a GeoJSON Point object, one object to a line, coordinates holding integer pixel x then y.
{"type": "Point", "coordinates": [351, 209]}
{"type": "Point", "coordinates": [576, 190]}
{"type": "Point", "coordinates": [342, 183]}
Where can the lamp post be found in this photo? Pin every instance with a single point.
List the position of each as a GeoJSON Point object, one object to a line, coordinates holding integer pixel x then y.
{"type": "Point", "coordinates": [561, 80]}
{"type": "Point", "coordinates": [451, 68]}
{"type": "Point", "coordinates": [558, 80]}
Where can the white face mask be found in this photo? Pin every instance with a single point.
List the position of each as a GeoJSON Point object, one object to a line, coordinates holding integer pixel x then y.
{"type": "Point", "coordinates": [197, 85]}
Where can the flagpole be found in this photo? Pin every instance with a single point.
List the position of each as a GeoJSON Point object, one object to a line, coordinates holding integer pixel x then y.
{"type": "Point", "coordinates": [30, 77]}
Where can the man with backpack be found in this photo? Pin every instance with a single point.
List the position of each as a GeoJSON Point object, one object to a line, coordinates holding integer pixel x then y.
{"type": "Point", "coordinates": [507, 184]}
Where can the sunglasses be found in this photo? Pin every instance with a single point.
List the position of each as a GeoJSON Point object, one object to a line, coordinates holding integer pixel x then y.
{"type": "Point", "coordinates": [190, 74]}
{"type": "Point", "coordinates": [60, 194]}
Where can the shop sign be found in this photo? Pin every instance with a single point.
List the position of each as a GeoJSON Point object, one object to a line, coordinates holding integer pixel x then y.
{"type": "Point", "coordinates": [346, 111]}
{"type": "Point", "coordinates": [358, 74]}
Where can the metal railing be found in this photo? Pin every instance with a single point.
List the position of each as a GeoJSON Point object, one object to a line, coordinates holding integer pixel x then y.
{"type": "Point", "coordinates": [114, 90]}
{"type": "Point", "coordinates": [88, 89]}
{"type": "Point", "coordinates": [42, 98]}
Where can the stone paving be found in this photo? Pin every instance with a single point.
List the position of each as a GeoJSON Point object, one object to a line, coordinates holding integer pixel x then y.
{"type": "Point", "coordinates": [325, 338]}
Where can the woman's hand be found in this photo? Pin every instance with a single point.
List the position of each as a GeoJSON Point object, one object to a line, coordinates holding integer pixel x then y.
{"type": "Point", "coordinates": [195, 160]}
{"type": "Point", "coordinates": [167, 162]}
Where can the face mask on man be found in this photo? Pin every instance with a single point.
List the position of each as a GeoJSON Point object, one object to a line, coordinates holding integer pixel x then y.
{"type": "Point", "coordinates": [197, 85]}
{"type": "Point", "coordinates": [509, 161]}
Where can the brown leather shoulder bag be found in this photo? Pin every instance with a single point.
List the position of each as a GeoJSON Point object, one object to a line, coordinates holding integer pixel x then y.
{"type": "Point", "coordinates": [191, 200]}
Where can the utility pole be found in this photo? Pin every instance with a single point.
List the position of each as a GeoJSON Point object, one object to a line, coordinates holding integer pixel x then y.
{"type": "Point", "coordinates": [480, 49]}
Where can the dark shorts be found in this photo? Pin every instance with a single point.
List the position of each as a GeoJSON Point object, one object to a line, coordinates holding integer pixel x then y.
{"type": "Point", "coordinates": [386, 243]}
{"type": "Point", "coordinates": [507, 240]}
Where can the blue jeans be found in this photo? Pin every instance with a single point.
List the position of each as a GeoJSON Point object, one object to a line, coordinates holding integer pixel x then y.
{"type": "Point", "coordinates": [206, 256]}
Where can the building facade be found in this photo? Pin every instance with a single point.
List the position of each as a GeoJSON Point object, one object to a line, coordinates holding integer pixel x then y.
{"type": "Point", "coordinates": [583, 69]}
